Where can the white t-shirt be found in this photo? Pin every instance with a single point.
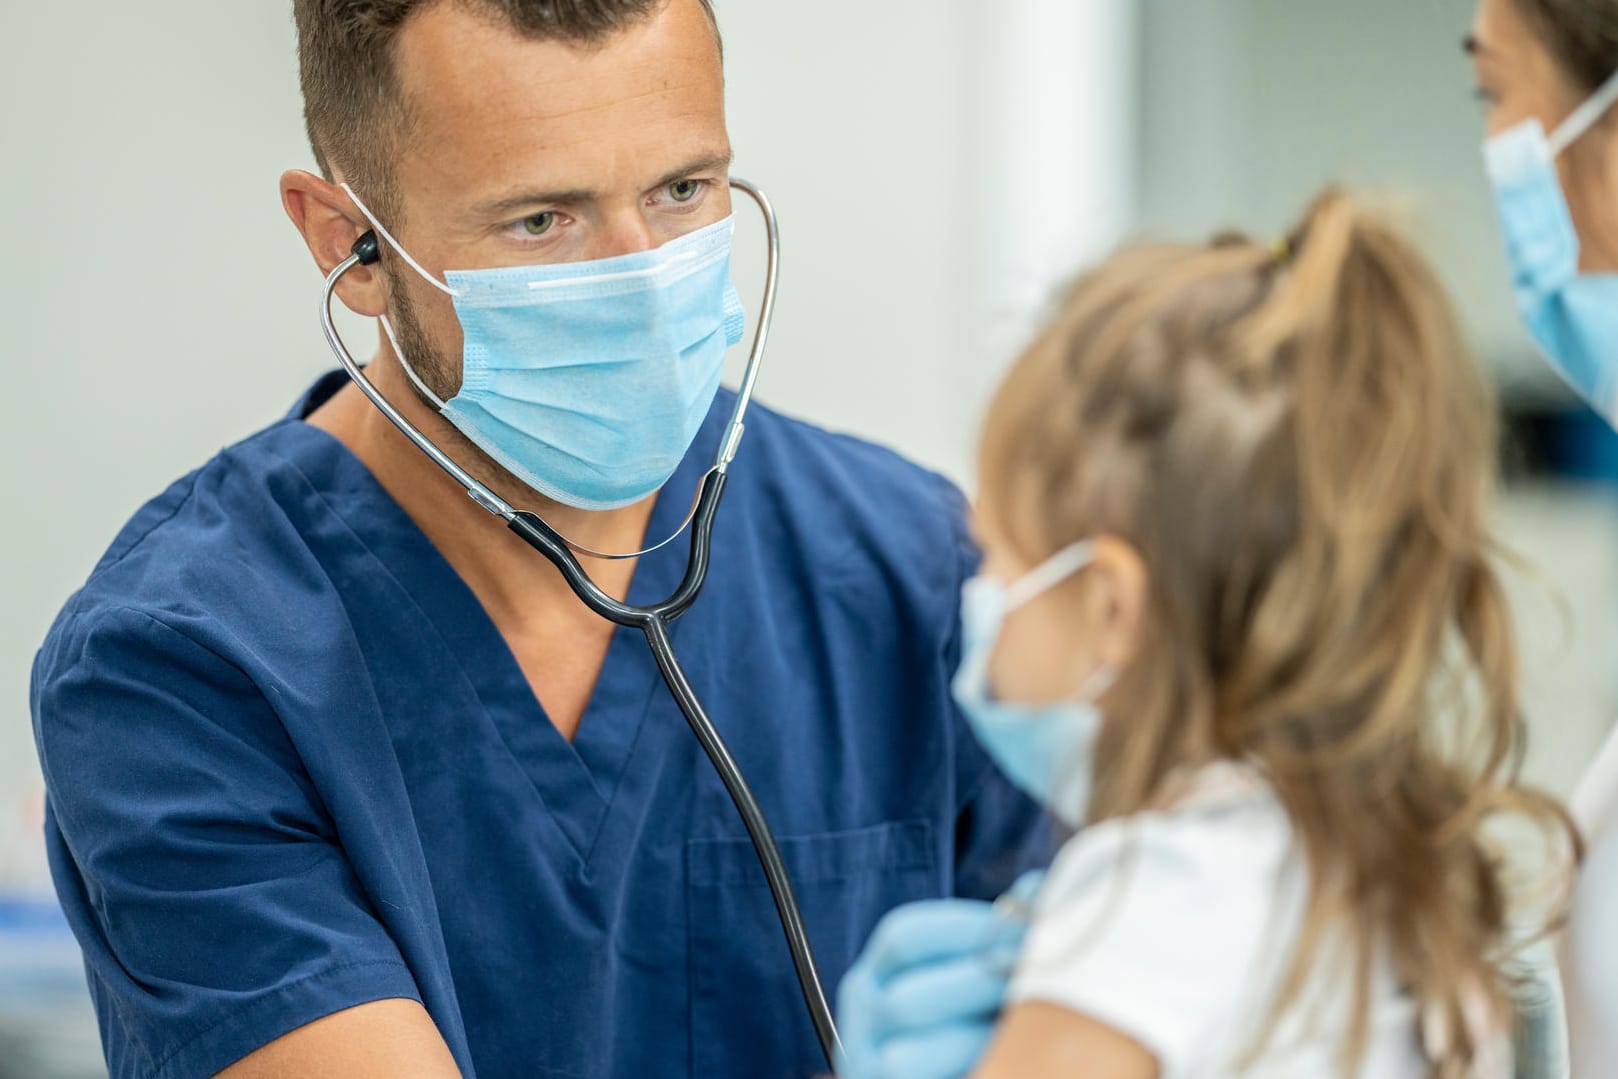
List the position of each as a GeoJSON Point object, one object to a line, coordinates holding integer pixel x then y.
{"type": "Point", "coordinates": [1177, 928]}
{"type": "Point", "coordinates": [1590, 944]}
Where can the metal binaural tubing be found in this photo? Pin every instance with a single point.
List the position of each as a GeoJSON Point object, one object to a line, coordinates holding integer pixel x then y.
{"type": "Point", "coordinates": [480, 493]}
{"type": "Point", "coordinates": [766, 317]}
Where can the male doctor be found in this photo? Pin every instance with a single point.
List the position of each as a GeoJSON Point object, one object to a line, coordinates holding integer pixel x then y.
{"type": "Point", "coordinates": [343, 780]}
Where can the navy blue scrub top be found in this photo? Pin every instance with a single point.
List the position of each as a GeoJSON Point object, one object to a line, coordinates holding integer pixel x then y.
{"type": "Point", "coordinates": [293, 767]}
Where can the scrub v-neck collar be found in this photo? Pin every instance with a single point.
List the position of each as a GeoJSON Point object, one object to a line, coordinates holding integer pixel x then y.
{"type": "Point", "coordinates": [578, 780]}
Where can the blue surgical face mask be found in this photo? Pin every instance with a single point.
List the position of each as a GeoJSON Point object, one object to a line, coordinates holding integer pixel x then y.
{"type": "Point", "coordinates": [1573, 317]}
{"type": "Point", "coordinates": [588, 381]}
{"type": "Point", "coordinates": [1046, 750]}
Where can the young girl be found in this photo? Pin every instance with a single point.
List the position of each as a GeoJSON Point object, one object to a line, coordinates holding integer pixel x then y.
{"type": "Point", "coordinates": [1238, 620]}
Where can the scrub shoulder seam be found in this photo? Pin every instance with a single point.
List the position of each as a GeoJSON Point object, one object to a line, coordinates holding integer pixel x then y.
{"type": "Point", "coordinates": [180, 503]}
{"type": "Point", "coordinates": [116, 609]}
{"type": "Point", "coordinates": [93, 619]}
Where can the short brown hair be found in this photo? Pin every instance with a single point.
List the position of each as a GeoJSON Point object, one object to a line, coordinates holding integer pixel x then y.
{"type": "Point", "coordinates": [346, 68]}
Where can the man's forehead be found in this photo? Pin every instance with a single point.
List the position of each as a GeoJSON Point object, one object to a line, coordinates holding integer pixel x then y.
{"type": "Point", "coordinates": [459, 55]}
{"type": "Point", "coordinates": [480, 95]}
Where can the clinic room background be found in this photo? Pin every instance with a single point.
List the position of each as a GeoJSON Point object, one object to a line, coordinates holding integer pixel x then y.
{"type": "Point", "coordinates": [939, 167]}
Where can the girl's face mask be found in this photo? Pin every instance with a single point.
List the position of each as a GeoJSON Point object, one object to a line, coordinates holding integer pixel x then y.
{"type": "Point", "coordinates": [1045, 749]}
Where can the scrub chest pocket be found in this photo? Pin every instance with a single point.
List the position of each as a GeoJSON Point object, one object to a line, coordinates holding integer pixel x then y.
{"type": "Point", "coordinates": [846, 881]}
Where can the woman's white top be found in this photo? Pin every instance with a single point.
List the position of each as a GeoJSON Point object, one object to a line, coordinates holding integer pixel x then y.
{"type": "Point", "coordinates": [1177, 928]}
{"type": "Point", "coordinates": [1590, 945]}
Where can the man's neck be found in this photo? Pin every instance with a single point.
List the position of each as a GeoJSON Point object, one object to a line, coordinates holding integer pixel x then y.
{"type": "Point", "coordinates": [513, 580]}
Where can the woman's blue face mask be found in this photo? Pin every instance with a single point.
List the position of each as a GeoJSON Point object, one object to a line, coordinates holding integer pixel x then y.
{"type": "Point", "coordinates": [1573, 317]}
{"type": "Point", "coordinates": [588, 381]}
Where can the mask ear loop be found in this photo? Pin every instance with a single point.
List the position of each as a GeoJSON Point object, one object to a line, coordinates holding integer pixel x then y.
{"type": "Point", "coordinates": [1048, 574]}
{"type": "Point", "coordinates": [382, 230]}
{"type": "Point", "coordinates": [1583, 118]}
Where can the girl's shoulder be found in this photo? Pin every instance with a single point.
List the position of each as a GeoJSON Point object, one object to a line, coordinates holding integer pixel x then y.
{"type": "Point", "coordinates": [1178, 927]}
{"type": "Point", "coordinates": [1218, 830]}
{"type": "Point", "coordinates": [1219, 852]}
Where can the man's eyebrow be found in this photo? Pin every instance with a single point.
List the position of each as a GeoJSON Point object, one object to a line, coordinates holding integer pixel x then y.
{"type": "Point", "coordinates": [523, 199]}
{"type": "Point", "coordinates": [709, 163]}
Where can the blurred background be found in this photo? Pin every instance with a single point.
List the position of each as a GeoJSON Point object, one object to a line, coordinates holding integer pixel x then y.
{"type": "Point", "coordinates": [939, 166]}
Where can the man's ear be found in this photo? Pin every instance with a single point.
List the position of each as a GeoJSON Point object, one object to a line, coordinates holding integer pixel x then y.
{"type": "Point", "coordinates": [330, 224]}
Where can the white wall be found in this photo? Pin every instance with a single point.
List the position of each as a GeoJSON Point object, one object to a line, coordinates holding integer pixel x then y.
{"type": "Point", "coordinates": [158, 306]}
{"type": "Point", "coordinates": [1053, 183]}
{"type": "Point", "coordinates": [938, 164]}
{"type": "Point", "coordinates": [1249, 107]}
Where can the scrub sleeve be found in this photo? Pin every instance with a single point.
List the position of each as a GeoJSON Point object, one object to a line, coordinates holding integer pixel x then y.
{"type": "Point", "coordinates": [183, 811]}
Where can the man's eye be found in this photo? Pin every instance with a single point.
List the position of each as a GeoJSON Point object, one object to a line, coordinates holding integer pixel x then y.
{"type": "Point", "coordinates": [684, 190]}
{"type": "Point", "coordinates": [539, 224]}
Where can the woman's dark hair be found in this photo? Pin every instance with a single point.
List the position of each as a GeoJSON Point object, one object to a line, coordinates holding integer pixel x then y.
{"type": "Point", "coordinates": [1581, 34]}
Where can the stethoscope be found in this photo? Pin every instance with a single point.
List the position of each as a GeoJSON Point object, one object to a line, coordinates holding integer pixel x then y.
{"type": "Point", "coordinates": [653, 620]}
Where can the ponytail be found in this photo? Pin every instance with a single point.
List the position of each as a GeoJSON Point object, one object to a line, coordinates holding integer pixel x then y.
{"type": "Point", "coordinates": [1296, 441]}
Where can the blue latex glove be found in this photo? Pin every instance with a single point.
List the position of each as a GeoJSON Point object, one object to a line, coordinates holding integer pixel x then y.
{"type": "Point", "coordinates": [921, 1002]}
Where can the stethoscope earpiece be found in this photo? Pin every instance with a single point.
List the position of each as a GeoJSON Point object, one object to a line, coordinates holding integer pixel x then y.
{"type": "Point", "coordinates": [366, 249]}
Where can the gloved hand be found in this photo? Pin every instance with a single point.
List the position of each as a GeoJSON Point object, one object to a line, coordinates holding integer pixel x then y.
{"type": "Point", "coordinates": [922, 1000]}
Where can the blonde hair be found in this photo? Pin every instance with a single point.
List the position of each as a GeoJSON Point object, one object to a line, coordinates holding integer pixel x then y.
{"type": "Point", "coordinates": [1297, 443]}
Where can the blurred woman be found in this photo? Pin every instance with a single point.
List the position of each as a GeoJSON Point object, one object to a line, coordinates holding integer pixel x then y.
{"type": "Point", "coordinates": [1548, 71]}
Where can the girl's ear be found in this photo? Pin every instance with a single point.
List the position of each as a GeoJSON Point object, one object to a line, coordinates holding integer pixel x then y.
{"type": "Point", "coordinates": [1116, 584]}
